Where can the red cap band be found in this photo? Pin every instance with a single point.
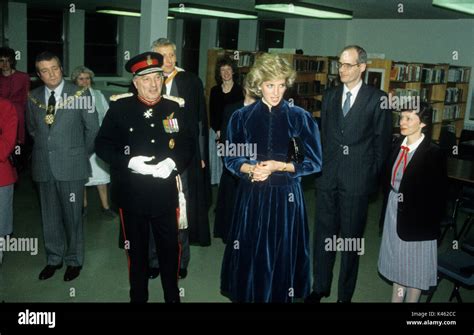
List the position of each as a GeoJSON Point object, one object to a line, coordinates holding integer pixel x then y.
{"type": "Point", "coordinates": [143, 64]}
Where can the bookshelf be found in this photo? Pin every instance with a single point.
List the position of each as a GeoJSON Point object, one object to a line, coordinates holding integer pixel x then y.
{"type": "Point", "coordinates": [455, 99]}
{"type": "Point", "coordinates": [310, 83]}
{"type": "Point", "coordinates": [444, 86]}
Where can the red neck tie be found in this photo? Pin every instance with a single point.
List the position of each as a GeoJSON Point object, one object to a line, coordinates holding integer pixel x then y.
{"type": "Point", "coordinates": [404, 158]}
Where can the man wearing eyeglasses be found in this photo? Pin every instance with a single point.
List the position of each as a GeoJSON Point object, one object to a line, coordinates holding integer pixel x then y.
{"type": "Point", "coordinates": [356, 136]}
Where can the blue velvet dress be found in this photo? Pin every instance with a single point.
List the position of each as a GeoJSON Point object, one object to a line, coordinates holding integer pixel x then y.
{"type": "Point", "coordinates": [267, 255]}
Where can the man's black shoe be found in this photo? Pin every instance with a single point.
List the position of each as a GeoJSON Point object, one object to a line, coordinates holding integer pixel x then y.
{"type": "Point", "coordinates": [153, 272]}
{"type": "Point", "coordinates": [315, 297]}
{"type": "Point", "coordinates": [183, 273]}
{"type": "Point", "coordinates": [49, 271]}
{"type": "Point", "coordinates": [72, 272]}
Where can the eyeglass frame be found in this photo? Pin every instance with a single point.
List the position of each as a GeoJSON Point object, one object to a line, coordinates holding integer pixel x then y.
{"type": "Point", "coordinates": [340, 65]}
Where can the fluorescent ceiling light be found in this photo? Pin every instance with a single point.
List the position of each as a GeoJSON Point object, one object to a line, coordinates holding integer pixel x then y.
{"type": "Point", "coordinates": [118, 12]}
{"type": "Point", "coordinates": [122, 12]}
{"type": "Point", "coordinates": [302, 9]}
{"type": "Point", "coordinates": [464, 6]}
{"type": "Point", "coordinates": [225, 13]}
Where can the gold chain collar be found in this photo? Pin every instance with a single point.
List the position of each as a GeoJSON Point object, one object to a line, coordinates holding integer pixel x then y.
{"type": "Point", "coordinates": [60, 106]}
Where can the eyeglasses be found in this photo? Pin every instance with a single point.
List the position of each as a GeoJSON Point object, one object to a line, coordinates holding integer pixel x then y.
{"type": "Point", "coordinates": [346, 65]}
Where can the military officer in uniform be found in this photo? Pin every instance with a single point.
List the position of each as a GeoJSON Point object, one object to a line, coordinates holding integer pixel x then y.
{"type": "Point", "coordinates": [147, 142]}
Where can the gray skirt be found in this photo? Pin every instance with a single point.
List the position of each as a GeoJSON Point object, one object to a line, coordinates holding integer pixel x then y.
{"type": "Point", "coordinates": [6, 209]}
{"type": "Point", "coordinates": [408, 263]}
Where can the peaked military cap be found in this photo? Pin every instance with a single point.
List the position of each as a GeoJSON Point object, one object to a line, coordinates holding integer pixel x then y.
{"type": "Point", "coordinates": [145, 63]}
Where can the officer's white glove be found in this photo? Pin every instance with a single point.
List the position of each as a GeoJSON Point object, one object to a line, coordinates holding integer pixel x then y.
{"type": "Point", "coordinates": [137, 165]}
{"type": "Point", "coordinates": [164, 168]}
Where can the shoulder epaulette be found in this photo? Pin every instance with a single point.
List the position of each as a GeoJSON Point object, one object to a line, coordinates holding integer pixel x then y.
{"type": "Point", "coordinates": [116, 97]}
{"type": "Point", "coordinates": [179, 101]}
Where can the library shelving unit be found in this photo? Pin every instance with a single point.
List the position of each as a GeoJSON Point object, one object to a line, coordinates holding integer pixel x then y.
{"type": "Point", "coordinates": [455, 99]}
{"type": "Point", "coordinates": [310, 83]}
{"type": "Point", "coordinates": [444, 86]}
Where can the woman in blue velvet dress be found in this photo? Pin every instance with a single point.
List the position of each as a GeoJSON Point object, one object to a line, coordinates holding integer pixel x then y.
{"type": "Point", "coordinates": [267, 255]}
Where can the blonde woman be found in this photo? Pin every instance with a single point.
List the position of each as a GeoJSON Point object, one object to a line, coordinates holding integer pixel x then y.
{"type": "Point", "coordinates": [267, 255]}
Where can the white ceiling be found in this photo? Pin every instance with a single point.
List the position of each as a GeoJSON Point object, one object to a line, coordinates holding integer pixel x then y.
{"type": "Point", "coordinates": [362, 9]}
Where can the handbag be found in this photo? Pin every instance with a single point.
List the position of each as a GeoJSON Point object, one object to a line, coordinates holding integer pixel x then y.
{"type": "Point", "coordinates": [295, 151]}
{"type": "Point", "coordinates": [181, 210]}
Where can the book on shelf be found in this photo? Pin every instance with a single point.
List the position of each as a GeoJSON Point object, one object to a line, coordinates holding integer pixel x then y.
{"type": "Point", "coordinates": [245, 59]}
{"type": "Point", "coordinates": [332, 69]}
{"type": "Point", "coordinates": [308, 65]}
{"type": "Point", "coordinates": [435, 115]}
{"type": "Point", "coordinates": [433, 76]}
{"type": "Point", "coordinates": [459, 75]}
{"type": "Point", "coordinates": [453, 95]}
{"type": "Point", "coordinates": [451, 112]}
{"type": "Point", "coordinates": [405, 72]}
{"type": "Point", "coordinates": [308, 88]}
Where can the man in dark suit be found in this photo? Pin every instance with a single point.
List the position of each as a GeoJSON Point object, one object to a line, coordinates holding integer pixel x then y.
{"type": "Point", "coordinates": [356, 137]}
{"type": "Point", "coordinates": [196, 182]}
{"type": "Point", "coordinates": [63, 123]}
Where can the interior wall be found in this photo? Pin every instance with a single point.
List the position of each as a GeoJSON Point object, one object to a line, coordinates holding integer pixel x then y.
{"type": "Point", "coordinates": [426, 41]}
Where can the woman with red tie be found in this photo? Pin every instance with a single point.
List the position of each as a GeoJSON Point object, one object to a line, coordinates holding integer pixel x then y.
{"type": "Point", "coordinates": [414, 188]}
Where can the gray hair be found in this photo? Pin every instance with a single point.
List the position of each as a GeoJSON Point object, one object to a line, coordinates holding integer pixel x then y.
{"type": "Point", "coordinates": [362, 55]}
{"type": "Point", "coordinates": [162, 42]}
{"type": "Point", "coordinates": [81, 69]}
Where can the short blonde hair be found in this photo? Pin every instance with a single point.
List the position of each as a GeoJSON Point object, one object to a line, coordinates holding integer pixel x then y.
{"type": "Point", "coordinates": [269, 67]}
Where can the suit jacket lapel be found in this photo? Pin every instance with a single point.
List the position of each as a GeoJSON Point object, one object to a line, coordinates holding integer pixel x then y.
{"type": "Point", "coordinates": [395, 152]}
{"type": "Point", "coordinates": [417, 158]}
{"type": "Point", "coordinates": [359, 103]}
{"type": "Point", "coordinates": [337, 107]}
{"type": "Point", "coordinates": [68, 91]}
{"type": "Point", "coordinates": [414, 163]}
{"type": "Point", "coordinates": [40, 96]}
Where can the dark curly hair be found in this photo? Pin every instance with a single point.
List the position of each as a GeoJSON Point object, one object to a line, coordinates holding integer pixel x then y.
{"type": "Point", "coordinates": [224, 61]}
{"type": "Point", "coordinates": [10, 54]}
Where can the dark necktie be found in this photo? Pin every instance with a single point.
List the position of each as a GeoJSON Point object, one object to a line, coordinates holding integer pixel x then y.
{"type": "Point", "coordinates": [347, 104]}
{"type": "Point", "coordinates": [51, 105]}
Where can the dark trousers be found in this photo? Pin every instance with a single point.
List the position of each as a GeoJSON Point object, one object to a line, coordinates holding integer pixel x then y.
{"type": "Point", "coordinates": [61, 206]}
{"type": "Point", "coordinates": [185, 252]}
{"type": "Point", "coordinates": [342, 215]}
{"type": "Point", "coordinates": [165, 233]}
